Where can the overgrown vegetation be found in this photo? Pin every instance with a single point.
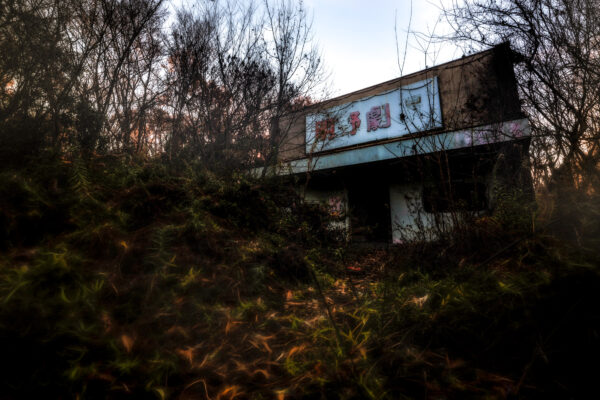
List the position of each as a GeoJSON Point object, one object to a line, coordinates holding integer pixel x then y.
{"type": "Point", "coordinates": [135, 261]}
{"type": "Point", "coordinates": [121, 277]}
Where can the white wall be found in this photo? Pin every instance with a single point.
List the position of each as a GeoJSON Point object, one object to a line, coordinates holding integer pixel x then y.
{"type": "Point", "coordinates": [409, 220]}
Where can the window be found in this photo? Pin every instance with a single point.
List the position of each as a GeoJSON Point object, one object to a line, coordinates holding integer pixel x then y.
{"type": "Point", "coordinates": [454, 196]}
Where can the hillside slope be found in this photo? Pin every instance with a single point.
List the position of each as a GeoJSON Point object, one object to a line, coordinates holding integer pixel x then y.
{"type": "Point", "coordinates": [128, 278]}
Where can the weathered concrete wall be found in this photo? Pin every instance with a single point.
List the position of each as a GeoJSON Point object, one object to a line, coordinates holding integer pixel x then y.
{"type": "Point", "coordinates": [474, 90]}
{"type": "Point", "coordinates": [411, 222]}
{"type": "Point", "coordinates": [409, 219]}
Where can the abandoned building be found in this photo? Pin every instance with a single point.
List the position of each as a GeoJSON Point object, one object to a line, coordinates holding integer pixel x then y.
{"type": "Point", "coordinates": [397, 160]}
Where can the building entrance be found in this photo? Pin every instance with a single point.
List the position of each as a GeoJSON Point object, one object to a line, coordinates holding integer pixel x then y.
{"type": "Point", "coordinates": [369, 205]}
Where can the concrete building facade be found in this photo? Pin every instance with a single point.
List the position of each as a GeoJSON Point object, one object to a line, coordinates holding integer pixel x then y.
{"type": "Point", "coordinates": [397, 160]}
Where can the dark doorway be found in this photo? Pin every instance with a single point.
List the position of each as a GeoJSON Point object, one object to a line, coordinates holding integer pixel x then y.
{"type": "Point", "coordinates": [369, 211]}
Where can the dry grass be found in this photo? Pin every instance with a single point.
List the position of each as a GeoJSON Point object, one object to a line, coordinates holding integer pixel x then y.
{"type": "Point", "coordinates": [136, 281]}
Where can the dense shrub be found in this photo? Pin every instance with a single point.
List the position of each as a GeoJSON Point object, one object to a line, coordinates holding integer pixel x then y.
{"type": "Point", "coordinates": [134, 278]}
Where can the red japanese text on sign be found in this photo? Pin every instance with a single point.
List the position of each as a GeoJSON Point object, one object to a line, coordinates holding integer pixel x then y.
{"type": "Point", "coordinates": [325, 129]}
{"type": "Point", "coordinates": [379, 117]}
{"type": "Point", "coordinates": [354, 122]}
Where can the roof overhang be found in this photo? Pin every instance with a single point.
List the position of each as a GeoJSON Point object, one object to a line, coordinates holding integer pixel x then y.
{"type": "Point", "coordinates": [406, 147]}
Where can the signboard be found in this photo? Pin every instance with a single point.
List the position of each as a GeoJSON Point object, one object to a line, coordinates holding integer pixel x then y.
{"type": "Point", "coordinates": [410, 109]}
{"type": "Point", "coordinates": [444, 141]}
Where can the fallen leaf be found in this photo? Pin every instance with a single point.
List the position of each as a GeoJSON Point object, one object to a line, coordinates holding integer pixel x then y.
{"type": "Point", "coordinates": [263, 340]}
{"type": "Point", "coordinates": [231, 391]}
{"type": "Point", "coordinates": [188, 354]}
{"type": "Point", "coordinates": [296, 349]}
{"type": "Point", "coordinates": [106, 321]}
{"type": "Point", "coordinates": [419, 301]}
{"type": "Point", "coordinates": [240, 366]}
{"type": "Point", "coordinates": [127, 342]}
{"type": "Point", "coordinates": [231, 325]}
{"type": "Point", "coordinates": [280, 394]}
{"type": "Point", "coordinates": [363, 352]}
{"type": "Point", "coordinates": [160, 392]}
{"type": "Point", "coordinates": [262, 372]}
{"type": "Point", "coordinates": [318, 368]}
{"type": "Point", "coordinates": [176, 329]}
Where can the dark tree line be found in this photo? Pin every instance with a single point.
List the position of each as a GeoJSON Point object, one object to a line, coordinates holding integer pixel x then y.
{"type": "Point", "coordinates": [103, 76]}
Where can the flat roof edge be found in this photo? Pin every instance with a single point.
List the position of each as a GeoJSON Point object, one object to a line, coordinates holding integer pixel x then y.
{"type": "Point", "coordinates": [464, 138]}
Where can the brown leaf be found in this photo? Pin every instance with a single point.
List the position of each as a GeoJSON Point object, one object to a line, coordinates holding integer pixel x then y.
{"type": "Point", "coordinates": [127, 342]}
{"type": "Point", "coordinates": [296, 349]}
{"type": "Point", "coordinates": [188, 354]}
{"type": "Point", "coordinates": [231, 392]}
{"type": "Point", "coordinates": [262, 372]}
{"type": "Point", "coordinates": [176, 329]}
{"type": "Point", "coordinates": [106, 321]}
{"type": "Point", "coordinates": [231, 325]}
{"type": "Point", "coordinates": [263, 340]}
{"type": "Point", "coordinates": [280, 394]}
{"type": "Point", "coordinates": [363, 352]}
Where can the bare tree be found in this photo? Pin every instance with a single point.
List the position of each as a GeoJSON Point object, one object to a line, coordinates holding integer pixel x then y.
{"type": "Point", "coordinates": [102, 75]}
{"type": "Point", "coordinates": [296, 63]}
{"type": "Point", "coordinates": [556, 45]}
{"type": "Point", "coordinates": [120, 67]}
{"type": "Point", "coordinates": [219, 83]}
{"type": "Point", "coordinates": [77, 72]}
{"type": "Point", "coordinates": [236, 74]}
{"type": "Point", "coordinates": [35, 70]}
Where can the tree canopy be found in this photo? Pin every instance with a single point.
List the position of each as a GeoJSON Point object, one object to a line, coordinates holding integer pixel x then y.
{"type": "Point", "coordinates": [130, 76]}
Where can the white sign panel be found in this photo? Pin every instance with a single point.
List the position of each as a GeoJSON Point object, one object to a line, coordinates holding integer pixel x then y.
{"type": "Point", "coordinates": [410, 109]}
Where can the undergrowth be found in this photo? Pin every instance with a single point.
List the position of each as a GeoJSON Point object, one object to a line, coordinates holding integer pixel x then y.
{"type": "Point", "coordinates": [129, 278]}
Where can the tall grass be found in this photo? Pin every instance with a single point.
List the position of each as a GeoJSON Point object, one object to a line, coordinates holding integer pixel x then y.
{"type": "Point", "coordinates": [129, 278]}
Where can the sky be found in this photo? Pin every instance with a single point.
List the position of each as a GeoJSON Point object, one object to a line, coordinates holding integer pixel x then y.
{"type": "Point", "coordinates": [358, 42]}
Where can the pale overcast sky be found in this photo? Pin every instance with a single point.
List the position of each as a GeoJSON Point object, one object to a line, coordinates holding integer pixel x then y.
{"type": "Point", "coordinates": [358, 43]}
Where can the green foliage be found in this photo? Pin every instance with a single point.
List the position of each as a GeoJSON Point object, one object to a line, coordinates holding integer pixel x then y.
{"type": "Point", "coordinates": [124, 277]}
{"type": "Point", "coordinates": [514, 210]}
{"type": "Point", "coordinates": [101, 252]}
